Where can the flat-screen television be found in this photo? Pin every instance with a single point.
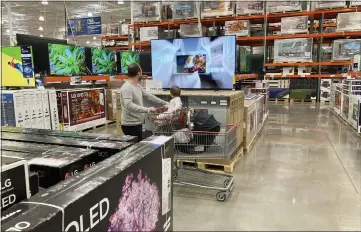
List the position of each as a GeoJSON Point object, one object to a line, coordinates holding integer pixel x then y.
{"type": "Point", "coordinates": [145, 61]}
{"type": "Point", "coordinates": [103, 61]}
{"type": "Point", "coordinates": [195, 63]}
{"type": "Point", "coordinates": [17, 67]}
{"type": "Point", "coordinates": [127, 58]}
{"type": "Point", "coordinates": [67, 60]}
{"type": "Point", "coordinates": [39, 50]}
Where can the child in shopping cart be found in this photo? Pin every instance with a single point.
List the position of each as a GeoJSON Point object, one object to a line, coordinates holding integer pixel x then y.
{"type": "Point", "coordinates": [174, 105]}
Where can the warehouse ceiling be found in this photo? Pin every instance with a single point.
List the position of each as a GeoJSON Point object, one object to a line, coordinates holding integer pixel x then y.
{"type": "Point", "coordinates": [26, 17]}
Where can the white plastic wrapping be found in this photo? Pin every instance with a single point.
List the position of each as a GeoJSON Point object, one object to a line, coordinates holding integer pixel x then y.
{"type": "Point", "coordinates": [249, 7]}
{"type": "Point", "coordinates": [283, 6]}
{"type": "Point", "coordinates": [148, 33]}
{"type": "Point", "coordinates": [330, 4]}
{"type": "Point", "coordinates": [294, 25]}
{"type": "Point", "coordinates": [355, 3]}
{"type": "Point", "coordinates": [184, 10]}
{"type": "Point", "coordinates": [237, 27]}
{"type": "Point", "coordinates": [146, 11]}
{"type": "Point", "coordinates": [349, 21]}
{"type": "Point", "coordinates": [293, 50]}
{"type": "Point", "coordinates": [190, 30]}
{"type": "Point", "coordinates": [345, 49]}
{"type": "Point", "coordinates": [216, 8]}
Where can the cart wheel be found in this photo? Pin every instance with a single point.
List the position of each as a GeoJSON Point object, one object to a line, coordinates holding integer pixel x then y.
{"type": "Point", "coordinates": [221, 196]}
{"type": "Point", "coordinates": [226, 182]}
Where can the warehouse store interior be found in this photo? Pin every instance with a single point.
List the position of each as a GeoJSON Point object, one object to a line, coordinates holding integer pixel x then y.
{"type": "Point", "coordinates": [180, 115]}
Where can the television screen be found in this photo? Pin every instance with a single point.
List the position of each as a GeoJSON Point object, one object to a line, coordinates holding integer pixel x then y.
{"type": "Point", "coordinates": [17, 67]}
{"type": "Point", "coordinates": [66, 60]}
{"type": "Point", "coordinates": [39, 50]}
{"type": "Point", "coordinates": [350, 48]}
{"type": "Point", "coordinates": [127, 58]}
{"type": "Point", "coordinates": [103, 61]}
{"type": "Point", "coordinates": [195, 63]}
{"type": "Point", "coordinates": [145, 61]}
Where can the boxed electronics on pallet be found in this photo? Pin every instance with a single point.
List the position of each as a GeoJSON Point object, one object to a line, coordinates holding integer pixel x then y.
{"type": "Point", "coordinates": [148, 33]}
{"type": "Point", "coordinates": [184, 10]}
{"type": "Point", "coordinates": [294, 25]}
{"type": "Point", "coordinates": [354, 112]}
{"type": "Point", "coordinates": [237, 27]}
{"type": "Point", "coordinates": [123, 193]}
{"type": "Point", "coordinates": [190, 30]}
{"type": "Point", "coordinates": [146, 11]}
{"type": "Point", "coordinates": [216, 8]}
{"type": "Point", "coordinates": [71, 134]}
{"type": "Point", "coordinates": [355, 3]}
{"type": "Point", "coordinates": [52, 163]}
{"type": "Point", "coordinates": [330, 4]}
{"type": "Point", "coordinates": [325, 90]}
{"type": "Point", "coordinates": [293, 50]}
{"type": "Point", "coordinates": [283, 6]}
{"type": "Point", "coordinates": [345, 49]}
{"type": "Point", "coordinates": [14, 181]}
{"type": "Point", "coordinates": [83, 108]}
{"type": "Point", "coordinates": [248, 7]}
{"type": "Point", "coordinates": [345, 106]}
{"type": "Point", "coordinates": [349, 21]}
{"type": "Point", "coordinates": [250, 124]}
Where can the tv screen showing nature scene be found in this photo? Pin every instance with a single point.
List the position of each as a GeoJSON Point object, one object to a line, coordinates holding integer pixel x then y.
{"type": "Point", "coordinates": [66, 60]}
{"type": "Point", "coordinates": [127, 58]}
{"type": "Point", "coordinates": [103, 61]}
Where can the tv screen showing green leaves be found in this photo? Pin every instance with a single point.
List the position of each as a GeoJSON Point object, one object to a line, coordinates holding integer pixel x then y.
{"type": "Point", "coordinates": [103, 61]}
{"type": "Point", "coordinates": [66, 60]}
{"type": "Point", "coordinates": [127, 58]}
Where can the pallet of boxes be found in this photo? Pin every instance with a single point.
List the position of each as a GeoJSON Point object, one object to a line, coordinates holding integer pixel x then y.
{"type": "Point", "coordinates": [227, 108]}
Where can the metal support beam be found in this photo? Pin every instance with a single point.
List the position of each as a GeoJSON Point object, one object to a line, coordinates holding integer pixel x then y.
{"type": "Point", "coordinates": [10, 19]}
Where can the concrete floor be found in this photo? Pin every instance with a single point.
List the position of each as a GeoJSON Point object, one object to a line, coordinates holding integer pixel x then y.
{"type": "Point", "coordinates": [303, 173]}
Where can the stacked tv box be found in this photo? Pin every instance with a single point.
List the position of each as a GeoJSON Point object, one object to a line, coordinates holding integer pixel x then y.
{"type": "Point", "coordinates": [122, 193]}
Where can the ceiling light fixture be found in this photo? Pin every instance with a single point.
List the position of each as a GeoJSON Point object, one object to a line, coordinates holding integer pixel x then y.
{"type": "Point", "coordinates": [7, 30]}
{"type": "Point", "coordinates": [87, 42]}
{"type": "Point", "coordinates": [90, 14]}
{"type": "Point", "coordinates": [44, 2]}
{"type": "Point", "coordinates": [120, 2]}
{"type": "Point", "coordinates": [41, 28]}
{"type": "Point", "coordinates": [41, 18]}
{"type": "Point", "coordinates": [41, 35]}
{"type": "Point", "coordinates": [94, 37]}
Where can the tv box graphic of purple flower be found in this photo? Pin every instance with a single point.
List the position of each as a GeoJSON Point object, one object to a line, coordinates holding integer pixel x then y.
{"type": "Point", "coordinates": [139, 206]}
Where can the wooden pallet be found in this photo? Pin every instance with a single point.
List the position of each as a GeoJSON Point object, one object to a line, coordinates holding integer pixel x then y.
{"type": "Point", "coordinates": [277, 100]}
{"type": "Point", "coordinates": [292, 100]}
{"type": "Point", "coordinates": [220, 166]}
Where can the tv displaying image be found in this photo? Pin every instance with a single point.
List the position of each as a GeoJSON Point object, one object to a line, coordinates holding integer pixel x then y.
{"type": "Point", "coordinates": [103, 61]}
{"type": "Point", "coordinates": [350, 48]}
{"type": "Point", "coordinates": [195, 63]}
{"type": "Point", "coordinates": [66, 60]}
{"type": "Point", "coordinates": [127, 58]}
{"type": "Point", "coordinates": [191, 63]}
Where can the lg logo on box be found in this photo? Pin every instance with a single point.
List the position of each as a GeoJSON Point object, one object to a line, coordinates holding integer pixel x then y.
{"type": "Point", "coordinates": [10, 199]}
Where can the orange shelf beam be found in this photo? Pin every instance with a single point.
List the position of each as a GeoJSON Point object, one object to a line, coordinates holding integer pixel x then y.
{"type": "Point", "coordinates": [338, 63]}
{"type": "Point", "coordinates": [115, 37]}
{"type": "Point", "coordinates": [344, 75]}
{"type": "Point", "coordinates": [246, 76]}
{"type": "Point", "coordinates": [53, 79]}
{"type": "Point", "coordinates": [118, 48]}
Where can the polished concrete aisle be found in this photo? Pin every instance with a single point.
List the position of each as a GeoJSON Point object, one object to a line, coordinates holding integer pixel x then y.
{"type": "Point", "coordinates": [303, 173]}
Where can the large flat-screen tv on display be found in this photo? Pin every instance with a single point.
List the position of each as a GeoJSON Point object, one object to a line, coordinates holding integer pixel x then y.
{"type": "Point", "coordinates": [195, 63]}
{"type": "Point", "coordinates": [67, 60]}
{"type": "Point", "coordinates": [39, 50]}
{"type": "Point", "coordinates": [103, 61]}
{"type": "Point", "coordinates": [127, 58]}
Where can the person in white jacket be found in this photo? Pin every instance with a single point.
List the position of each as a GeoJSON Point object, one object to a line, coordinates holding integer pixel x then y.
{"type": "Point", "coordinates": [174, 104]}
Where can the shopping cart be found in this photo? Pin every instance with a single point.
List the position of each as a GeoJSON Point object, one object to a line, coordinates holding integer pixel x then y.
{"type": "Point", "coordinates": [193, 145]}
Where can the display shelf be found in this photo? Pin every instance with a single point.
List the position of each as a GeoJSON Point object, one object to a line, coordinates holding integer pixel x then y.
{"type": "Point", "coordinates": [118, 48]}
{"type": "Point", "coordinates": [341, 63]}
{"type": "Point", "coordinates": [53, 79]}
{"type": "Point", "coordinates": [344, 75]}
{"type": "Point", "coordinates": [246, 76]}
{"type": "Point", "coordinates": [115, 37]}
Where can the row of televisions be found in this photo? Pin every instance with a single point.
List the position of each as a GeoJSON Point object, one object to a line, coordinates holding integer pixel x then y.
{"type": "Point", "coordinates": [69, 60]}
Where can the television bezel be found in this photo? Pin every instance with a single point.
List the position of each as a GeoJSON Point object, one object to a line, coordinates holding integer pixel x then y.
{"type": "Point", "coordinates": [235, 57]}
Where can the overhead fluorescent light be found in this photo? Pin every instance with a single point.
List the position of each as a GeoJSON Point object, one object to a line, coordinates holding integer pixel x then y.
{"type": "Point", "coordinates": [41, 35]}
{"type": "Point", "coordinates": [90, 14]}
{"type": "Point", "coordinates": [7, 30]}
{"type": "Point", "coordinates": [44, 2]}
{"type": "Point", "coordinates": [41, 18]}
{"type": "Point", "coordinates": [94, 37]}
{"type": "Point", "coordinates": [87, 42]}
{"type": "Point", "coordinates": [120, 2]}
{"type": "Point", "coordinates": [41, 28]}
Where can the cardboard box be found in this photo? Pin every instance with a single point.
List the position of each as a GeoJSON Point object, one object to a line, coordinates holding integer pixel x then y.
{"type": "Point", "coordinates": [147, 11]}
{"type": "Point", "coordinates": [123, 193]}
{"type": "Point", "coordinates": [46, 110]}
{"type": "Point", "coordinates": [39, 106]}
{"type": "Point", "coordinates": [55, 165]}
{"type": "Point", "coordinates": [53, 107]}
{"type": "Point", "coordinates": [105, 148]}
{"type": "Point", "coordinates": [26, 108]}
{"type": "Point", "coordinates": [148, 33]}
{"type": "Point", "coordinates": [14, 181]}
{"type": "Point", "coordinates": [248, 7]}
{"type": "Point", "coordinates": [237, 27]}
{"type": "Point", "coordinates": [216, 8]}
{"type": "Point", "coordinates": [184, 10]}
{"type": "Point", "coordinates": [33, 183]}
{"type": "Point", "coordinates": [12, 111]}
{"type": "Point", "coordinates": [294, 25]}
{"type": "Point", "coordinates": [250, 125]}
{"type": "Point", "coordinates": [71, 134]}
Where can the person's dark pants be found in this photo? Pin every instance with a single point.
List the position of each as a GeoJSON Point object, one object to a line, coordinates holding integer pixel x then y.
{"type": "Point", "coordinates": [133, 131]}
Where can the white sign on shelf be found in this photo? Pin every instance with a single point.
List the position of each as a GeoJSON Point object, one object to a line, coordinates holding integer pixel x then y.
{"type": "Point", "coordinates": [153, 85]}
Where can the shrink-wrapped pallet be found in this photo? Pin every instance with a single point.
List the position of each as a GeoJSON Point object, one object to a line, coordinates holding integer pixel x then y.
{"type": "Point", "coordinates": [146, 11]}
{"type": "Point", "coordinates": [349, 21]}
{"type": "Point", "coordinates": [216, 8]}
{"type": "Point", "coordinates": [190, 30]}
{"type": "Point", "coordinates": [248, 7]}
{"type": "Point", "coordinates": [184, 10]}
{"type": "Point", "coordinates": [345, 49]}
{"type": "Point", "coordinates": [293, 50]}
{"type": "Point", "coordinates": [237, 27]}
{"type": "Point", "coordinates": [148, 33]}
{"type": "Point", "coordinates": [283, 6]}
{"type": "Point", "coordinates": [294, 25]}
